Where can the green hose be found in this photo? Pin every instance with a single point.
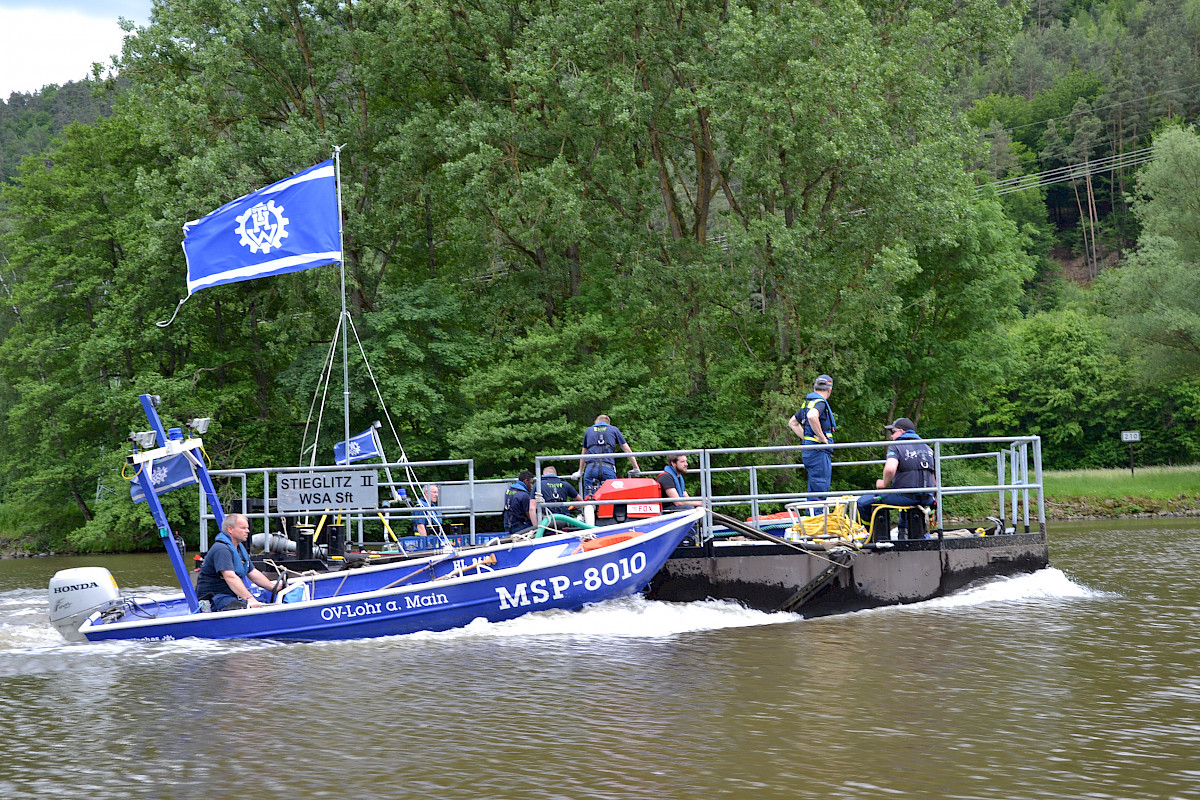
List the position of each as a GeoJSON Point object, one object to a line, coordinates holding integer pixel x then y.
{"type": "Point", "coordinates": [563, 518]}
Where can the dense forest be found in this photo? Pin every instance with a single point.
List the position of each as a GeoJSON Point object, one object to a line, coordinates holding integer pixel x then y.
{"type": "Point", "coordinates": [978, 214]}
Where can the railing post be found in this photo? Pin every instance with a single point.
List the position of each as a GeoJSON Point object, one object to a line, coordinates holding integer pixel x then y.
{"type": "Point", "coordinates": [1041, 492]}
{"type": "Point", "coordinates": [537, 484]}
{"type": "Point", "coordinates": [471, 498]}
{"type": "Point", "coordinates": [706, 526]}
{"type": "Point", "coordinates": [266, 479]}
{"type": "Point", "coordinates": [1014, 471]}
{"type": "Point", "coordinates": [937, 481]}
{"type": "Point", "coordinates": [754, 493]}
{"type": "Point", "coordinates": [1025, 481]}
{"type": "Point", "coordinates": [1000, 482]}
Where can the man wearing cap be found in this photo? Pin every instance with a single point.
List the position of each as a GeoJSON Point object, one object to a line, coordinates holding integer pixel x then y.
{"type": "Point", "coordinates": [908, 471]}
{"type": "Point", "coordinates": [814, 424]}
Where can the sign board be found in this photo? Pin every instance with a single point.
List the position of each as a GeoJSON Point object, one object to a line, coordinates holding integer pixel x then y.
{"type": "Point", "coordinates": [488, 496]}
{"type": "Point", "coordinates": [350, 490]}
{"type": "Point", "coordinates": [1131, 436]}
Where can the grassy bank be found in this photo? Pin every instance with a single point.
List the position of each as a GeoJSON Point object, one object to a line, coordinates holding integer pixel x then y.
{"type": "Point", "coordinates": [1149, 491]}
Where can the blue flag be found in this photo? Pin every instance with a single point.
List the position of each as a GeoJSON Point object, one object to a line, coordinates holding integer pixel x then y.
{"type": "Point", "coordinates": [361, 446]}
{"type": "Point", "coordinates": [166, 474]}
{"type": "Point", "coordinates": [286, 227]}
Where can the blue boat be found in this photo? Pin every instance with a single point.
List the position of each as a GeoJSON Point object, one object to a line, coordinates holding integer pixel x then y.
{"type": "Point", "coordinates": [495, 582]}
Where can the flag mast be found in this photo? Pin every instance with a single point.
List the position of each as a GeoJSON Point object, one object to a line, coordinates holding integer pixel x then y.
{"type": "Point", "coordinates": [343, 321]}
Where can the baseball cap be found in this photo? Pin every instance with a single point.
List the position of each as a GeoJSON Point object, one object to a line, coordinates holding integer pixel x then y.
{"type": "Point", "coordinates": [823, 382]}
{"type": "Point", "coordinates": [902, 424]}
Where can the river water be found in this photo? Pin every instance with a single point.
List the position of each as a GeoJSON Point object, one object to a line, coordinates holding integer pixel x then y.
{"type": "Point", "coordinates": [1079, 681]}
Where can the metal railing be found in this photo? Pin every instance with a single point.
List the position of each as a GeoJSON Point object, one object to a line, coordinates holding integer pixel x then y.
{"type": "Point", "coordinates": [1017, 489]}
{"type": "Point", "coordinates": [1012, 457]}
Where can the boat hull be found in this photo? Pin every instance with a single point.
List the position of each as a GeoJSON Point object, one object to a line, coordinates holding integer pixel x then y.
{"type": "Point", "coordinates": [433, 594]}
{"type": "Point", "coordinates": [768, 576]}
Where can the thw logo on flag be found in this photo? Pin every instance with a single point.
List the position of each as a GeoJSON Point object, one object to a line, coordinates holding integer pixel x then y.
{"type": "Point", "coordinates": [263, 227]}
{"type": "Point", "coordinates": [361, 446]}
{"type": "Point", "coordinates": [166, 474]}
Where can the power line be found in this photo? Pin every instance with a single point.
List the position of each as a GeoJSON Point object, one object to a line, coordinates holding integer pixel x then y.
{"type": "Point", "coordinates": [1074, 168]}
{"type": "Point", "coordinates": [1098, 143]}
{"type": "Point", "coordinates": [1071, 172]}
{"type": "Point", "coordinates": [1078, 173]}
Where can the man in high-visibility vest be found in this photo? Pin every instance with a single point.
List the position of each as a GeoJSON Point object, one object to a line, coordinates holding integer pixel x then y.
{"type": "Point", "coordinates": [814, 424]}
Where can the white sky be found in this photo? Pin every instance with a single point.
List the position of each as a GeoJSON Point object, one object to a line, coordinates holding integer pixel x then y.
{"type": "Point", "coordinates": [55, 41]}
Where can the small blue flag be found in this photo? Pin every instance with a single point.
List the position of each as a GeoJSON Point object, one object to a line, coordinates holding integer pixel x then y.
{"type": "Point", "coordinates": [361, 446]}
{"type": "Point", "coordinates": [288, 226]}
{"type": "Point", "coordinates": [166, 474]}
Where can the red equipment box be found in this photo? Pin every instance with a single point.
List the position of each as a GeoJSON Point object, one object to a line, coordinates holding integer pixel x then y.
{"type": "Point", "coordinates": [628, 498]}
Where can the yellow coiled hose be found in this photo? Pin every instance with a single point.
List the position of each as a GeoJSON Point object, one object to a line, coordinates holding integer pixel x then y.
{"type": "Point", "coordinates": [838, 523]}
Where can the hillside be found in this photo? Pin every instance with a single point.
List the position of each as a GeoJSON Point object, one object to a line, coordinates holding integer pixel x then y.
{"type": "Point", "coordinates": [30, 121]}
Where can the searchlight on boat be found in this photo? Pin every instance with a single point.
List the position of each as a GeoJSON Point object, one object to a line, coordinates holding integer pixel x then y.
{"type": "Point", "coordinates": [200, 425]}
{"type": "Point", "coordinates": [143, 439]}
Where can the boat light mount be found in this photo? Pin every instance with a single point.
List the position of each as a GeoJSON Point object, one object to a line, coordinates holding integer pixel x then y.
{"type": "Point", "coordinates": [143, 439]}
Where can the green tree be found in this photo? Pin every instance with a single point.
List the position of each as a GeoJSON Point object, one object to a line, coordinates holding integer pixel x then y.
{"type": "Point", "coordinates": [678, 214]}
{"type": "Point", "coordinates": [1154, 299]}
{"type": "Point", "coordinates": [951, 342]}
{"type": "Point", "coordinates": [1066, 384]}
{"type": "Point", "coordinates": [620, 142]}
{"type": "Point", "coordinates": [29, 121]}
{"type": "Point", "coordinates": [75, 260]}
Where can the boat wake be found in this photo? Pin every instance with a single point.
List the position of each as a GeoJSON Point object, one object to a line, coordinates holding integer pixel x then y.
{"type": "Point", "coordinates": [629, 617]}
{"type": "Point", "coordinates": [1045, 584]}
{"type": "Point", "coordinates": [33, 645]}
{"type": "Point", "coordinates": [24, 628]}
{"type": "Point", "coordinates": [637, 617]}
{"type": "Point", "coordinates": [1049, 584]}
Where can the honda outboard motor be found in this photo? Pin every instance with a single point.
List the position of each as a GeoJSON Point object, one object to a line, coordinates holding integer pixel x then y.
{"type": "Point", "coordinates": [76, 594]}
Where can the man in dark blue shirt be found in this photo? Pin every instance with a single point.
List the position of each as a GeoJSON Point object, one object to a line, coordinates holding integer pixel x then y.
{"type": "Point", "coordinates": [427, 519]}
{"type": "Point", "coordinates": [520, 509]}
{"type": "Point", "coordinates": [600, 439]}
{"type": "Point", "coordinates": [556, 493]}
{"type": "Point", "coordinates": [908, 472]}
{"type": "Point", "coordinates": [227, 567]}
